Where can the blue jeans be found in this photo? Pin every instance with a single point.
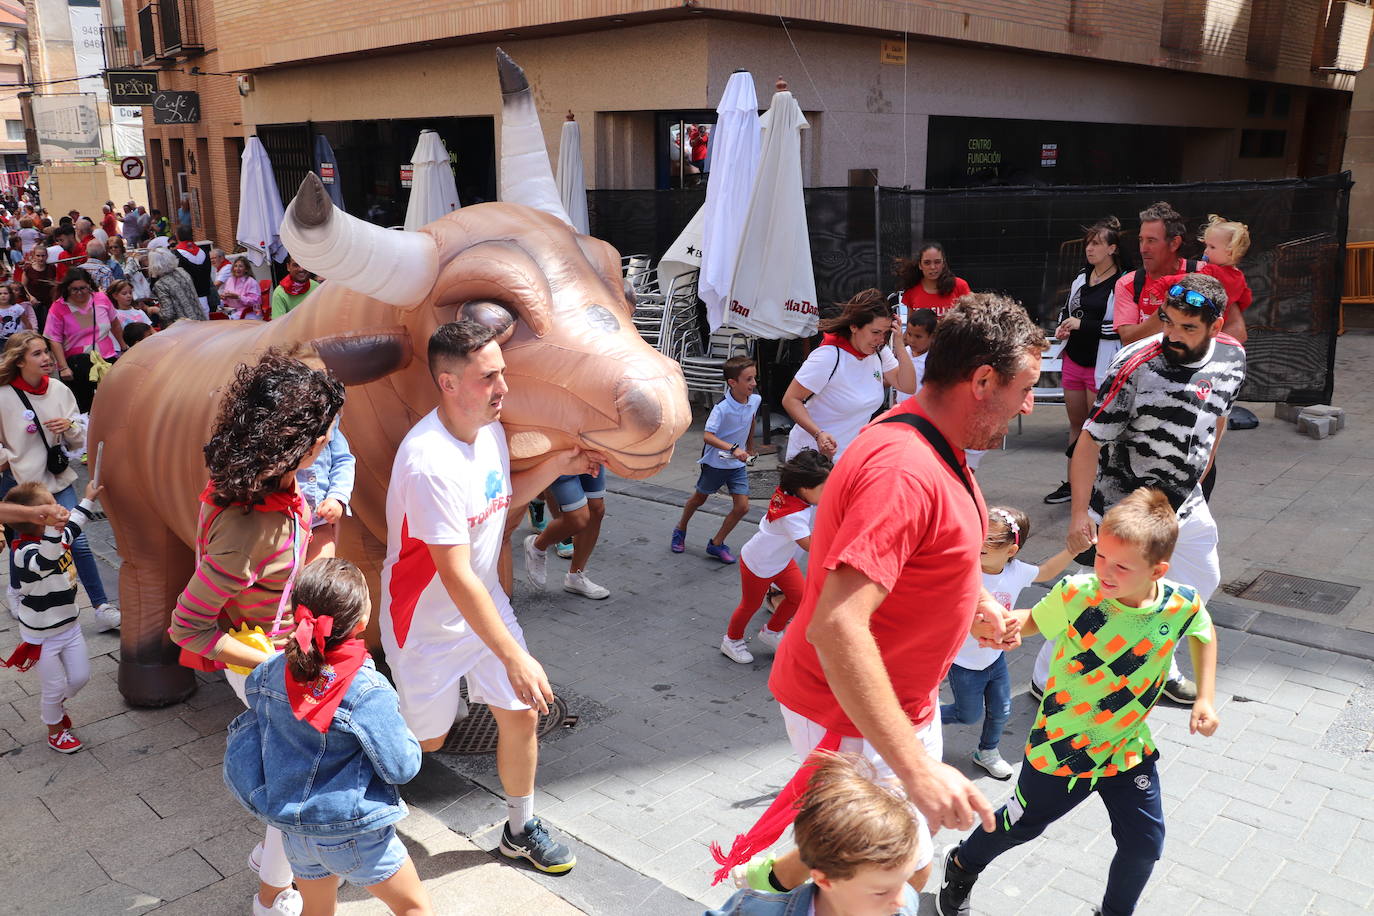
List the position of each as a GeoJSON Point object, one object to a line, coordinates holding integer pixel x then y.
{"type": "Point", "coordinates": [976, 692]}
{"type": "Point", "coordinates": [1133, 804]}
{"type": "Point", "coordinates": [86, 569]}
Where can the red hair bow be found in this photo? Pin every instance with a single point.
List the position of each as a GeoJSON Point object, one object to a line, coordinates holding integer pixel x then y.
{"type": "Point", "coordinates": [311, 629]}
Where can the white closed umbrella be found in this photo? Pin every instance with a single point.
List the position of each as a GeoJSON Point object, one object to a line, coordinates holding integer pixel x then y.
{"type": "Point", "coordinates": [572, 182]}
{"type": "Point", "coordinates": [684, 255]}
{"type": "Point", "coordinates": [433, 192]}
{"type": "Point", "coordinates": [773, 291]}
{"type": "Point", "coordinates": [735, 146]}
{"type": "Point", "coordinates": [260, 209]}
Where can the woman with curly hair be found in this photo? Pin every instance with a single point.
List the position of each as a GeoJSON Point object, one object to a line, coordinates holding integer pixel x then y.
{"type": "Point", "coordinates": [927, 281]}
{"type": "Point", "coordinates": [252, 536]}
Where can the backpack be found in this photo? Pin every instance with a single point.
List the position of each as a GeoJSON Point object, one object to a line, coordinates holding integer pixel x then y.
{"type": "Point", "coordinates": [1189, 267]}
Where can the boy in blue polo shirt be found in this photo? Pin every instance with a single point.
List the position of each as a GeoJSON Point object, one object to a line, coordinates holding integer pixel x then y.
{"type": "Point", "coordinates": [729, 438]}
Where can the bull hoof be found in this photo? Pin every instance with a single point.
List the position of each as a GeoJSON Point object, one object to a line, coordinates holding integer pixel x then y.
{"type": "Point", "coordinates": [151, 686]}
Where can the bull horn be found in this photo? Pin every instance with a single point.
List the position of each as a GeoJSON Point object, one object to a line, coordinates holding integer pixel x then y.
{"type": "Point", "coordinates": [525, 176]}
{"type": "Point", "coordinates": [398, 268]}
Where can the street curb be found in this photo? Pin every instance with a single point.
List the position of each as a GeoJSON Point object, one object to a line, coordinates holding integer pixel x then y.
{"type": "Point", "coordinates": [1309, 633]}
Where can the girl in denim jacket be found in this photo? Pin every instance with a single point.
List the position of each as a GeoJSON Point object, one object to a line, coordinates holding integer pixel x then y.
{"type": "Point", "coordinates": [327, 486]}
{"type": "Point", "coordinates": [322, 749]}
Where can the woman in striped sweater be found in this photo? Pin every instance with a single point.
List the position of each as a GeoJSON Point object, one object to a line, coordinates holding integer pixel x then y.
{"type": "Point", "coordinates": [254, 528]}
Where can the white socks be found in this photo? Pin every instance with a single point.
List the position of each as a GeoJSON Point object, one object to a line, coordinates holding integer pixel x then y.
{"type": "Point", "coordinates": [519, 809]}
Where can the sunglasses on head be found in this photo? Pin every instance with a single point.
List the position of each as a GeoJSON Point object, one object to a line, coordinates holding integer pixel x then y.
{"type": "Point", "coordinates": [1194, 299]}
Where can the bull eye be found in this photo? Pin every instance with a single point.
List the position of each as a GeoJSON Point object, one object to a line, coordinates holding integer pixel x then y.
{"type": "Point", "coordinates": [602, 319]}
{"type": "Point", "coordinates": [491, 315]}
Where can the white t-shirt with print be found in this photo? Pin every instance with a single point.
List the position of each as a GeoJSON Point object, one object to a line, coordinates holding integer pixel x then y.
{"type": "Point", "coordinates": [1003, 586]}
{"type": "Point", "coordinates": [843, 400]}
{"type": "Point", "coordinates": [443, 491]}
{"type": "Point", "coordinates": [769, 551]}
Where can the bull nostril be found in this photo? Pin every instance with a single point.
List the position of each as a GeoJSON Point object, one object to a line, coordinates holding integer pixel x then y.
{"type": "Point", "coordinates": [639, 405]}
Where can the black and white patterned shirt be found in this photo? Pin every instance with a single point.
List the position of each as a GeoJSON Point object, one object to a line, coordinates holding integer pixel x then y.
{"type": "Point", "coordinates": [1157, 421]}
{"type": "Point", "coordinates": [47, 577]}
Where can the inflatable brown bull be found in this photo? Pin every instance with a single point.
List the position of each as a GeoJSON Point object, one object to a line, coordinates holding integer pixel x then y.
{"type": "Point", "coordinates": [578, 371]}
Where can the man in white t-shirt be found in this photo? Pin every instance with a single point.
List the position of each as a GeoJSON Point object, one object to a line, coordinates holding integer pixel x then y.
{"type": "Point", "coordinates": [444, 614]}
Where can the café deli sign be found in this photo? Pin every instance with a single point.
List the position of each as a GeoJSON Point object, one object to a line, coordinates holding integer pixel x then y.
{"type": "Point", "coordinates": [171, 107]}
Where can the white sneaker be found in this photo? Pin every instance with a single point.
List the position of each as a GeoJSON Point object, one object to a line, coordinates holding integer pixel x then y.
{"type": "Point", "coordinates": [288, 903]}
{"type": "Point", "coordinates": [737, 650]}
{"type": "Point", "coordinates": [108, 618]}
{"type": "Point", "coordinates": [15, 599]}
{"type": "Point", "coordinates": [534, 563]}
{"type": "Point", "coordinates": [579, 584]}
{"type": "Point", "coordinates": [992, 762]}
{"type": "Point", "coordinates": [770, 638]}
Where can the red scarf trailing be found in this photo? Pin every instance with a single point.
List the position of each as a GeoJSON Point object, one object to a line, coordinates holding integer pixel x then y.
{"type": "Point", "coordinates": [316, 701]}
{"type": "Point", "coordinates": [40, 389]}
{"type": "Point", "coordinates": [775, 820]}
{"type": "Point", "coordinates": [784, 503]}
{"type": "Point", "coordinates": [835, 340]}
{"type": "Point", "coordinates": [293, 288]}
{"type": "Point", "coordinates": [23, 658]}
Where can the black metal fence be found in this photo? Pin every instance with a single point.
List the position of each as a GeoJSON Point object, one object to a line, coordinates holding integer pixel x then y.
{"type": "Point", "coordinates": [1026, 242]}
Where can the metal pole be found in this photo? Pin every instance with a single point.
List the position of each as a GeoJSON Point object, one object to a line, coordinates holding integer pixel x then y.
{"type": "Point", "coordinates": [877, 236]}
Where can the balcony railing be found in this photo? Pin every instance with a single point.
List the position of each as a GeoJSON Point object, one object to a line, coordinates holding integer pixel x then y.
{"type": "Point", "coordinates": [147, 36]}
{"type": "Point", "coordinates": [168, 29]}
{"type": "Point", "coordinates": [118, 54]}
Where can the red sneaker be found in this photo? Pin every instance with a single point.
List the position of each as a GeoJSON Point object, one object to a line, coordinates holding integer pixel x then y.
{"type": "Point", "coordinates": [64, 742]}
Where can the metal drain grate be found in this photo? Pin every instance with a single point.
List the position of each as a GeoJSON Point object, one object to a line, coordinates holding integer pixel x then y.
{"type": "Point", "coordinates": [1299, 592]}
{"type": "Point", "coordinates": [475, 733]}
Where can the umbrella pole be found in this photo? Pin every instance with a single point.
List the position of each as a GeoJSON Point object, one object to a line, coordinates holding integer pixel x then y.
{"type": "Point", "coordinates": [766, 383]}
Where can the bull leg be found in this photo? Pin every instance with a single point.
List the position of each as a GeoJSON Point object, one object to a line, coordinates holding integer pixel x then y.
{"type": "Point", "coordinates": [156, 567]}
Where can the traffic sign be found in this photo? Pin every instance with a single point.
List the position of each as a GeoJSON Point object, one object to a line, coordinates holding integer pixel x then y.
{"type": "Point", "coordinates": [131, 167]}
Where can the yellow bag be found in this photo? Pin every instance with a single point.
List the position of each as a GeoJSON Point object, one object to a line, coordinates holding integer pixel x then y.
{"type": "Point", "coordinates": [99, 366]}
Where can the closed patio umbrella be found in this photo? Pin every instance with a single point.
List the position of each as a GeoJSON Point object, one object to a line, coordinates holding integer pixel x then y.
{"type": "Point", "coordinates": [734, 162]}
{"type": "Point", "coordinates": [433, 192]}
{"type": "Point", "coordinates": [327, 167]}
{"type": "Point", "coordinates": [260, 209]}
{"type": "Point", "coordinates": [773, 291]}
{"type": "Point", "coordinates": [572, 183]}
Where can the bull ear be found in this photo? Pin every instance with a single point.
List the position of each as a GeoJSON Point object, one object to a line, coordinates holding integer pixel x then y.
{"type": "Point", "coordinates": [360, 357]}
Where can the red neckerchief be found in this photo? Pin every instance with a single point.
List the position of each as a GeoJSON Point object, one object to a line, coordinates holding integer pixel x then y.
{"type": "Point", "coordinates": [292, 287]}
{"type": "Point", "coordinates": [40, 389]}
{"type": "Point", "coordinates": [784, 503]}
{"type": "Point", "coordinates": [189, 247]}
{"type": "Point", "coordinates": [24, 539]}
{"type": "Point", "coordinates": [287, 502]}
{"type": "Point", "coordinates": [23, 658]}
{"type": "Point", "coordinates": [835, 340]}
{"type": "Point", "coordinates": [316, 701]}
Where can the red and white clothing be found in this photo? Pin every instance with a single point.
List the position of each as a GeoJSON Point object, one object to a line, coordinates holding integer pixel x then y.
{"type": "Point", "coordinates": [1126, 310]}
{"type": "Point", "coordinates": [443, 492]}
{"type": "Point", "coordinates": [926, 556]}
{"type": "Point", "coordinates": [1238, 295]}
{"type": "Point", "coordinates": [770, 557]}
{"type": "Point", "coordinates": [847, 386]}
{"type": "Point", "coordinates": [918, 298]}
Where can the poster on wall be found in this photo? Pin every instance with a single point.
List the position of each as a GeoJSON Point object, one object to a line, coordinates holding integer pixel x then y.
{"type": "Point", "coordinates": [68, 127]}
{"type": "Point", "coordinates": [87, 46]}
{"type": "Point", "coordinates": [127, 127]}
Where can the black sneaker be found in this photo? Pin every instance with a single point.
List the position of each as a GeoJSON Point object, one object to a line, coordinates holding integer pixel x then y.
{"type": "Point", "coordinates": [1062, 495]}
{"type": "Point", "coordinates": [537, 847]}
{"type": "Point", "coordinates": [1181, 690]}
{"type": "Point", "coordinates": [1037, 691]}
{"type": "Point", "coordinates": [955, 887]}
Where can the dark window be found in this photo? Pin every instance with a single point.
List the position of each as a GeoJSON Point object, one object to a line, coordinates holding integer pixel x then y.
{"type": "Point", "coordinates": [1255, 105]}
{"type": "Point", "coordinates": [1283, 100]}
{"type": "Point", "coordinates": [1262, 144]}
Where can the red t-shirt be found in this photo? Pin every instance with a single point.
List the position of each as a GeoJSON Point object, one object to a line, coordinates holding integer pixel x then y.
{"type": "Point", "coordinates": [895, 512]}
{"type": "Point", "coordinates": [1233, 281]}
{"type": "Point", "coordinates": [1125, 309]}
{"type": "Point", "coordinates": [918, 298]}
{"type": "Point", "coordinates": [108, 224]}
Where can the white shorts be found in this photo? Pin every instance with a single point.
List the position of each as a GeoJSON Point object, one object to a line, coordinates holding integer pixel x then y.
{"type": "Point", "coordinates": [427, 674]}
{"type": "Point", "coordinates": [805, 735]}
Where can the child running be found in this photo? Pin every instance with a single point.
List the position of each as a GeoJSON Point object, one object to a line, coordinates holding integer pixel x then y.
{"type": "Point", "coordinates": [978, 677]}
{"type": "Point", "coordinates": [859, 839]}
{"type": "Point", "coordinates": [768, 556]}
{"type": "Point", "coordinates": [1117, 629]}
{"type": "Point", "coordinates": [48, 625]}
{"type": "Point", "coordinates": [322, 748]}
{"type": "Point", "coordinates": [729, 438]}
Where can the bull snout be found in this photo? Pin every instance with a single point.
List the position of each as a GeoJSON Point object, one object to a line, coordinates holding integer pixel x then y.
{"type": "Point", "coordinates": [652, 413]}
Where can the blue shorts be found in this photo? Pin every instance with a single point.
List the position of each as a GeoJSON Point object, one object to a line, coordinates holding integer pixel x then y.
{"type": "Point", "coordinates": [573, 490]}
{"type": "Point", "coordinates": [363, 860]}
{"type": "Point", "coordinates": [712, 479]}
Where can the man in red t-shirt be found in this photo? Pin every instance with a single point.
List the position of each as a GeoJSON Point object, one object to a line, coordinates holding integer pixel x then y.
{"type": "Point", "coordinates": [894, 584]}
{"type": "Point", "coordinates": [1161, 236]}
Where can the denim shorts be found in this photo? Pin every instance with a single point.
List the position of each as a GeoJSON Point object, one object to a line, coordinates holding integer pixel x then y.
{"type": "Point", "coordinates": [713, 478]}
{"type": "Point", "coordinates": [573, 490]}
{"type": "Point", "coordinates": [363, 860]}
